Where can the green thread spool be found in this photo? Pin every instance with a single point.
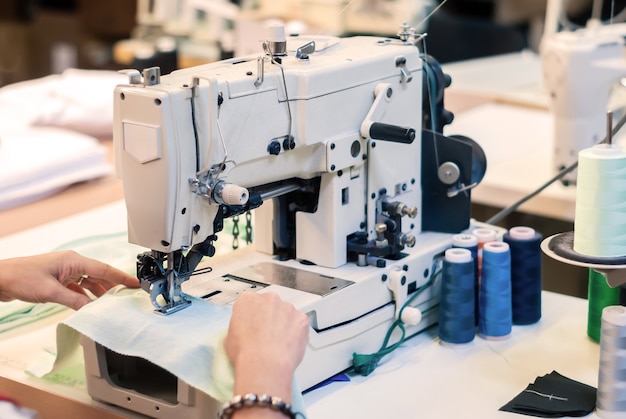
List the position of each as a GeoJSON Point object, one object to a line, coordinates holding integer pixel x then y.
{"type": "Point", "coordinates": [600, 295]}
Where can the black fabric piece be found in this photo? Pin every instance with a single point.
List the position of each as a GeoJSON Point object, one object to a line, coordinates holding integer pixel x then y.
{"type": "Point", "coordinates": [554, 396]}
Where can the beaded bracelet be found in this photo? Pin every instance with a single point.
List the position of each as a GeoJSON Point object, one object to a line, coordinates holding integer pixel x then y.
{"type": "Point", "coordinates": [252, 400]}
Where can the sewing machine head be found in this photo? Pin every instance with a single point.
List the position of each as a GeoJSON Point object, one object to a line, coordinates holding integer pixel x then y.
{"type": "Point", "coordinates": [582, 73]}
{"type": "Point", "coordinates": [331, 128]}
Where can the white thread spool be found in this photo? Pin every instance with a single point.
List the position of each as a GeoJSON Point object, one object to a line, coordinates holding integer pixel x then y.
{"type": "Point", "coordinates": [522, 233]}
{"type": "Point", "coordinates": [483, 235]}
{"type": "Point", "coordinates": [611, 395]}
{"type": "Point", "coordinates": [464, 240]}
{"type": "Point", "coordinates": [600, 218]}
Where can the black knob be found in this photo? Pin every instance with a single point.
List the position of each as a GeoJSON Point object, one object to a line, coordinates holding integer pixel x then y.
{"type": "Point", "coordinates": [387, 132]}
{"type": "Point", "coordinates": [273, 148]}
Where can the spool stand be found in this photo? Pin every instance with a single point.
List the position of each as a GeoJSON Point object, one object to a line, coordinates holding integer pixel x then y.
{"type": "Point", "coordinates": [561, 247]}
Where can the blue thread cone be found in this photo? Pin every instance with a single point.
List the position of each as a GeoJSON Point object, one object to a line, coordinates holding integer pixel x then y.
{"type": "Point", "coordinates": [456, 308]}
{"type": "Point", "coordinates": [496, 314]}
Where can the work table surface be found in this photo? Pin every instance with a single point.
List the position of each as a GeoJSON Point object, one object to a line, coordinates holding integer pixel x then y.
{"type": "Point", "coordinates": [422, 378]}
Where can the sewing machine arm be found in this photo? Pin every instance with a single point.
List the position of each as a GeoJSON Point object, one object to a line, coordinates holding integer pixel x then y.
{"type": "Point", "coordinates": [161, 274]}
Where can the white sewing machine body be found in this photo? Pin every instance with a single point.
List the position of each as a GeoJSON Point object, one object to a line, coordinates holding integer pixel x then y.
{"type": "Point", "coordinates": [326, 95]}
{"type": "Point", "coordinates": [350, 308]}
{"type": "Point", "coordinates": [582, 70]}
{"type": "Point", "coordinates": [337, 138]}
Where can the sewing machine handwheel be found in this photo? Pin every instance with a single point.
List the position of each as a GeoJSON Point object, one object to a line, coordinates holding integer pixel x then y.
{"type": "Point", "coordinates": [479, 160]}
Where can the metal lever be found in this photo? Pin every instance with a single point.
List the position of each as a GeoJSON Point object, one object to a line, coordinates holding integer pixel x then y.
{"type": "Point", "coordinates": [452, 192]}
{"type": "Point", "coordinates": [303, 52]}
{"type": "Point", "coordinates": [383, 94]}
{"type": "Point", "coordinates": [405, 74]}
{"type": "Point", "coordinates": [260, 70]}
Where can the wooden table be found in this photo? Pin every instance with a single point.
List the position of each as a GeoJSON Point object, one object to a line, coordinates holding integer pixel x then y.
{"type": "Point", "coordinates": [51, 405]}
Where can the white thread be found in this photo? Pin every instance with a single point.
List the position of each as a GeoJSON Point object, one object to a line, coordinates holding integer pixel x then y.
{"type": "Point", "coordinates": [430, 14]}
{"type": "Point", "coordinates": [600, 217]}
{"type": "Point", "coordinates": [548, 396]}
{"type": "Point", "coordinates": [611, 394]}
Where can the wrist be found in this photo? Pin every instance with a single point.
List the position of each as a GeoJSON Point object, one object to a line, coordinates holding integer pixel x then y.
{"type": "Point", "coordinates": [262, 376]}
{"type": "Point", "coordinates": [256, 405]}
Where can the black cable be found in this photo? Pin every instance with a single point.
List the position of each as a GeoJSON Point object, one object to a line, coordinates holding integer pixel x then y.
{"type": "Point", "coordinates": [194, 124]}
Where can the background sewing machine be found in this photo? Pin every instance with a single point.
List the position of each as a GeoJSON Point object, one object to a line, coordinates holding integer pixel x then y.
{"type": "Point", "coordinates": [231, 26]}
{"type": "Point", "coordinates": [582, 73]}
{"type": "Point", "coordinates": [358, 201]}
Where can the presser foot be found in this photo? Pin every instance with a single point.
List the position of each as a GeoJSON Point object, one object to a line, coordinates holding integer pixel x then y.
{"type": "Point", "coordinates": [163, 302]}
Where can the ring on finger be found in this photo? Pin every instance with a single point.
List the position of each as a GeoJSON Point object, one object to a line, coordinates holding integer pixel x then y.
{"type": "Point", "coordinates": [82, 278]}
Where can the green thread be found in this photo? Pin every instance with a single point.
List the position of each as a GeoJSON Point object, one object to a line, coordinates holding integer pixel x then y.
{"type": "Point", "coordinates": [365, 364]}
{"type": "Point", "coordinates": [600, 295]}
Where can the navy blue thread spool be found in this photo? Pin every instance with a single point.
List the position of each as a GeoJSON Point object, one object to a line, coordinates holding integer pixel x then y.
{"type": "Point", "coordinates": [525, 245]}
{"type": "Point", "coordinates": [470, 242]}
{"type": "Point", "coordinates": [494, 298]}
{"type": "Point", "coordinates": [457, 324]}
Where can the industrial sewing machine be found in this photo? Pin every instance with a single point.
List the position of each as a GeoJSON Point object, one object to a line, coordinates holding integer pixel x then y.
{"type": "Point", "coordinates": [336, 144]}
{"type": "Point", "coordinates": [582, 72]}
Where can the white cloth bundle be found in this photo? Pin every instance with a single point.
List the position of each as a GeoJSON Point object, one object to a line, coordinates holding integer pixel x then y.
{"type": "Point", "coordinates": [38, 162]}
{"type": "Point", "coordinates": [77, 100]}
{"type": "Point", "coordinates": [47, 130]}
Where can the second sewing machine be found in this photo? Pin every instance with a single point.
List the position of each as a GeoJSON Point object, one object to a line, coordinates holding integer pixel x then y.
{"type": "Point", "coordinates": [336, 144]}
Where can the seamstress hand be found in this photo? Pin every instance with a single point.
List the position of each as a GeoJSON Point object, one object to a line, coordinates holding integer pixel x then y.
{"type": "Point", "coordinates": [60, 277]}
{"type": "Point", "coordinates": [265, 343]}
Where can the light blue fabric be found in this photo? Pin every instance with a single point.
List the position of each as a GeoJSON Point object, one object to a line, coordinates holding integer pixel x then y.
{"type": "Point", "coordinates": [187, 343]}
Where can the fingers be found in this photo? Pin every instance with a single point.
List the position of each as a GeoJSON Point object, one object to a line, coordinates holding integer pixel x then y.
{"type": "Point", "coordinates": [80, 273]}
{"type": "Point", "coordinates": [93, 286]}
{"type": "Point", "coordinates": [73, 296]}
{"type": "Point", "coordinates": [107, 275]}
{"type": "Point", "coordinates": [265, 322]}
{"type": "Point", "coordinates": [265, 343]}
{"type": "Point", "coordinates": [97, 272]}
{"type": "Point", "coordinates": [61, 277]}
